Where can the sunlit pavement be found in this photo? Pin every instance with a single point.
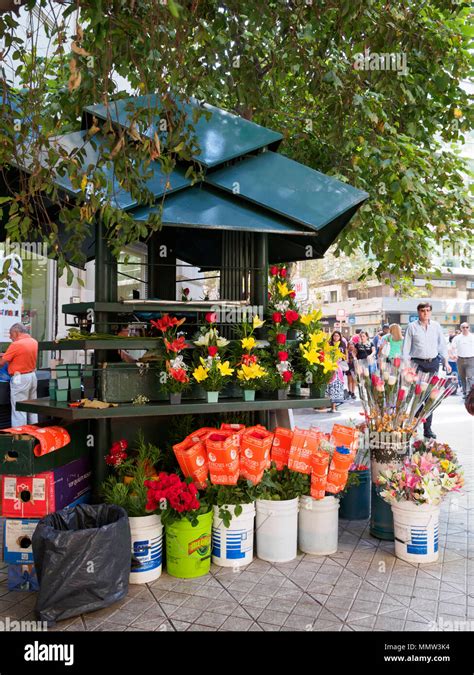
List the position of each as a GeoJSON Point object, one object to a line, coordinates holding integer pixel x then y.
{"type": "Point", "coordinates": [361, 587]}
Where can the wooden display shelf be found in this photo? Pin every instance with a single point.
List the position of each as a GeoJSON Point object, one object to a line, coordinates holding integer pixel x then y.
{"type": "Point", "coordinates": [46, 407]}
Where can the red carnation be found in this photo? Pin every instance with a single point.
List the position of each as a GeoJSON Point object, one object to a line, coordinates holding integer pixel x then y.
{"type": "Point", "coordinates": [283, 272]}
{"type": "Point", "coordinates": [273, 270]}
{"type": "Point", "coordinates": [276, 317]}
{"type": "Point", "coordinates": [212, 351]}
{"type": "Point", "coordinates": [287, 375]}
{"type": "Point", "coordinates": [211, 317]}
{"type": "Point", "coordinates": [280, 338]}
{"type": "Point", "coordinates": [283, 356]}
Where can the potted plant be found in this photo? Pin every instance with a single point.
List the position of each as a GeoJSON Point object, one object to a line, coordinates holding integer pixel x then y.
{"type": "Point", "coordinates": [187, 521]}
{"type": "Point", "coordinates": [233, 522]}
{"type": "Point", "coordinates": [250, 374]}
{"type": "Point", "coordinates": [213, 374]}
{"type": "Point", "coordinates": [126, 488]}
{"type": "Point", "coordinates": [277, 513]}
{"type": "Point", "coordinates": [355, 500]}
{"type": "Point", "coordinates": [320, 359]}
{"type": "Point", "coordinates": [415, 492]}
{"type": "Point", "coordinates": [174, 379]}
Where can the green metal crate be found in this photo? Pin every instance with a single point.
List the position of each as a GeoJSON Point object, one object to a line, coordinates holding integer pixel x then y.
{"type": "Point", "coordinates": [122, 382]}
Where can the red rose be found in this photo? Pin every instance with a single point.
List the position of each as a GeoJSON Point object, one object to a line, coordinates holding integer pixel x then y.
{"type": "Point", "coordinates": [283, 272]}
{"type": "Point", "coordinates": [434, 379]}
{"type": "Point", "coordinates": [283, 356]}
{"type": "Point", "coordinates": [291, 316]}
{"type": "Point", "coordinates": [396, 362]}
{"type": "Point", "coordinates": [401, 394]}
{"type": "Point", "coordinates": [276, 317]}
{"type": "Point", "coordinates": [211, 317]}
{"type": "Point", "coordinates": [287, 375]}
{"type": "Point", "coordinates": [212, 351]}
{"type": "Point", "coordinates": [292, 294]}
{"type": "Point", "coordinates": [418, 390]}
{"type": "Point", "coordinates": [280, 338]}
{"type": "Point", "coordinates": [186, 291]}
{"type": "Point", "coordinates": [273, 270]}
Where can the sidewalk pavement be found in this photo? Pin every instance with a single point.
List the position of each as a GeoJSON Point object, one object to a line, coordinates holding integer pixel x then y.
{"type": "Point", "coordinates": [362, 587]}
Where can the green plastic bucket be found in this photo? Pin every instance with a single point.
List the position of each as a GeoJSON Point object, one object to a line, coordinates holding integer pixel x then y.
{"type": "Point", "coordinates": [188, 548]}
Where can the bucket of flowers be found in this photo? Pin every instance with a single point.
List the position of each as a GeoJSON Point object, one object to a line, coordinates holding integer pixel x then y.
{"type": "Point", "coordinates": [415, 492]}
{"type": "Point", "coordinates": [126, 488]}
{"type": "Point", "coordinates": [187, 521]}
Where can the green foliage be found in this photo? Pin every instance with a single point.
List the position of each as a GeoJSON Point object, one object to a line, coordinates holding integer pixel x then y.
{"type": "Point", "coordinates": [288, 66]}
{"type": "Point", "coordinates": [281, 485]}
{"type": "Point", "coordinates": [244, 492]}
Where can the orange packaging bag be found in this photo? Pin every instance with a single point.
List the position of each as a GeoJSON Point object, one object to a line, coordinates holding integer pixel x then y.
{"type": "Point", "coordinates": [223, 457]}
{"type": "Point", "coordinates": [338, 471]}
{"type": "Point", "coordinates": [281, 447]}
{"type": "Point", "coordinates": [304, 444]}
{"type": "Point", "coordinates": [319, 466]}
{"type": "Point", "coordinates": [255, 453]}
{"type": "Point", "coordinates": [346, 436]}
{"type": "Point", "coordinates": [232, 427]}
{"type": "Point", "coordinates": [192, 459]}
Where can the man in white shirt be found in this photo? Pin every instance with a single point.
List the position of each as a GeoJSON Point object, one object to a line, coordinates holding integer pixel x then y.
{"type": "Point", "coordinates": [463, 346]}
{"type": "Point", "coordinates": [423, 341]}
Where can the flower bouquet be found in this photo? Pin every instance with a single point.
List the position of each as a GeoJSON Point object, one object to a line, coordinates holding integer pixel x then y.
{"type": "Point", "coordinates": [174, 379]}
{"type": "Point", "coordinates": [187, 521]}
{"type": "Point", "coordinates": [213, 374]}
{"type": "Point", "coordinates": [250, 374]}
{"type": "Point", "coordinates": [320, 360]}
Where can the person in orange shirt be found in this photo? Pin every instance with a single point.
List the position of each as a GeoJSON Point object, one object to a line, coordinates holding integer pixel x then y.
{"type": "Point", "coordinates": [21, 357]}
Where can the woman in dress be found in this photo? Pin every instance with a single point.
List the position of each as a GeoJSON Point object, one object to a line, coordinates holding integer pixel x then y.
{"type": "Point", "coordinates": [335, 388]}
{"type": "Point", "coordinates": [391, 344]}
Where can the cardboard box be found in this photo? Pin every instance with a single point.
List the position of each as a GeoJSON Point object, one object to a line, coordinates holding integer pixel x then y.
{"type": "Point", "coordinates": [22, 578]}
{"type": "Point", "coordinates": [17, 457]}
{"type": "Point", "coordinates": [17, 546]}
{"type": "Point", "coordinates": [36, 496]}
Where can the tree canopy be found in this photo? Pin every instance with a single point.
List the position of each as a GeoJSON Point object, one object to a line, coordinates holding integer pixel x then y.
{"type": "Point", "coordinates": [318, 71]}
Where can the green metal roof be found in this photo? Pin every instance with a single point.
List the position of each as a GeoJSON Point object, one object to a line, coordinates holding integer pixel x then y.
{"type": "Point", "coordinates": [203, 207]}
{"type": "Point", "coordinates": [159, 183]}
{"type": "Point", "coordinates": [288, 188]}
{"type": "Point", "coordinates": [222, 137]}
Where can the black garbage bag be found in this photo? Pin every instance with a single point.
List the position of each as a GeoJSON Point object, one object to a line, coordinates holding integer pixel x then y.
{"type": "Point", "coordinates": [82, 559]}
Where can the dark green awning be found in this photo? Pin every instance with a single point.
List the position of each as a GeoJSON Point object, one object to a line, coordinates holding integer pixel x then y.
{"type": "Point", "coordinates": [290, 189]}
{"type": "Point", "coordinates": [222, 137]}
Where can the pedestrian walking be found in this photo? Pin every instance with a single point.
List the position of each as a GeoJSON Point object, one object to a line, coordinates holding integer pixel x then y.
{"type": "Point", "coordinates": [21, 357]}
{"type": "Point", "coordinates": [364, 349]}
{"type": "Point", "coordinates": [463, 345]}
{"type": "Point", "coordinates": [335, 388]}
{"type": "Point", "coordinates": [391, 344]}
{"type": "Point", "coordinates": [379, 337]}
{"type": "Point", "coordinates": [453, 361]}
{"type": "Point", "coordinates": [424, 340]}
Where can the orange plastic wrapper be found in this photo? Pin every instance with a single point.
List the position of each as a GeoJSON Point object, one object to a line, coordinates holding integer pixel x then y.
{"type": "Point", "coordinates": [319, 466]}
{"type": "Point", "coordinates": [50, 438]}
{"type": "Point", "coordinates": [304, 444]}
{"type": "Point", "coordinates": [338, 472]}
{"type": "Point", "coordinates": [281, 447]}
{"type": "Point", "coordinates": [232, 427]}
{"type": "Point", "coordinates": [346, 436]}
{"type": "Point", "coordinates": [255, 453]}
{"type": "Point", "coordinates": [192, 459]}
{"type": "Point", "coordinates": [223, 457]}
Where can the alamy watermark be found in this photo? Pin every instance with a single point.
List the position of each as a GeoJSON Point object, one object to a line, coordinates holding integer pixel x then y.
{"type": "Point", "coordinates": [8, 625]}
{"type": "Point", "coordinates": [233, 315]}
{"type": "Point", "coordinates": [393, 61]}
{"type": "Point", "coordinates": [26, 250]}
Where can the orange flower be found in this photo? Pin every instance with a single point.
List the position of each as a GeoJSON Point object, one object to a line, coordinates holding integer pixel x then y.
{"type": "Point", "coordinates": [177, 345]}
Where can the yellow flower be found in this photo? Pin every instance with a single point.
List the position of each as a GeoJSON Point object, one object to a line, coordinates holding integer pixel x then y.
{"type": "Point", "coordinates": [317, 338]}
{"type": "Point", "coordinates": [306, 319]}
{"type": "Point", "coordinates": [252, 372]}
{"type": "Point", "coordinates": [283, 289]}
{"type": "Point", "coordinates": [313, 316]}
{"type": "Point", "coordinates": [200, 373]}
{"type": "Point", "coordinates": [257, 322]}
{"type": "Point", "coordinates": [225, 369]}
{"type": "Point", "coordinates": [248, 343]}
{"type": "Point", "coordinates": [311, 356]}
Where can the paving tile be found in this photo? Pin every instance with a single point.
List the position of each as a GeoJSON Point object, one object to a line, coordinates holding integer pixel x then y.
{"type": "Point", "coordinates": [173, 598]}
{"type": "Point", "coordinates": [272, 617]}
{"type": "Point", "coordinates": [254, 612]}
{"type": "Point", "coordinates": [234, 623]}
{"type": "Point", "coordinates": [366, 622]}
{"type": "Point", "coordinates": [180, 626]}
{"type": "Point", "coordinates": [199, 628]}
{"type": "Point", "coordinates": [189, 614]}
{"type": "Point", "coordinates": [281, 605]}
{"type": "Point", "coordinates": [415, 626]}
{"type": "Point", "coordinates": [255, 628]}
{"type": "Point", "coordinates": [365, 606]}
{"type": "Point", "coordinates": [389, 623]}
{"type": "Point", "coordinates": [324, 625]}
{"type": "Point", "coordinates": [211, 619]}
{"type": "Point", "coordinates": [108, 626]}
{"type": "Point", "coordinates": [256, 600]}
{"type": "Point", "coordinates": [198, 602]}
{"type": "Point", "coordinates": [309, 609]}
{"type": "Point", "coordinates": [269, 627]}
{"type": "Point", "coordinates": [451, 609]}
{"type": "Point", "coordinates": [297, 621]}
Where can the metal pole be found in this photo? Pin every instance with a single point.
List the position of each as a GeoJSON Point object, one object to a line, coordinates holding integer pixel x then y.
{"type": "Point", "coordinates": [260, 290]}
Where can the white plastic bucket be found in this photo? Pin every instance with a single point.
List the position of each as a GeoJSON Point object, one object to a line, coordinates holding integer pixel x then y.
{"type": "Point", "coordinates": [277, 530]}
{"type": "Point", "coordinates": [318, 525]}
{"type": "Point", "coordinates": [147, 548]}
{"type": "Point", "coordinates": [416, 531]}
{"type": "Point", "coordinates": [233, 546]}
